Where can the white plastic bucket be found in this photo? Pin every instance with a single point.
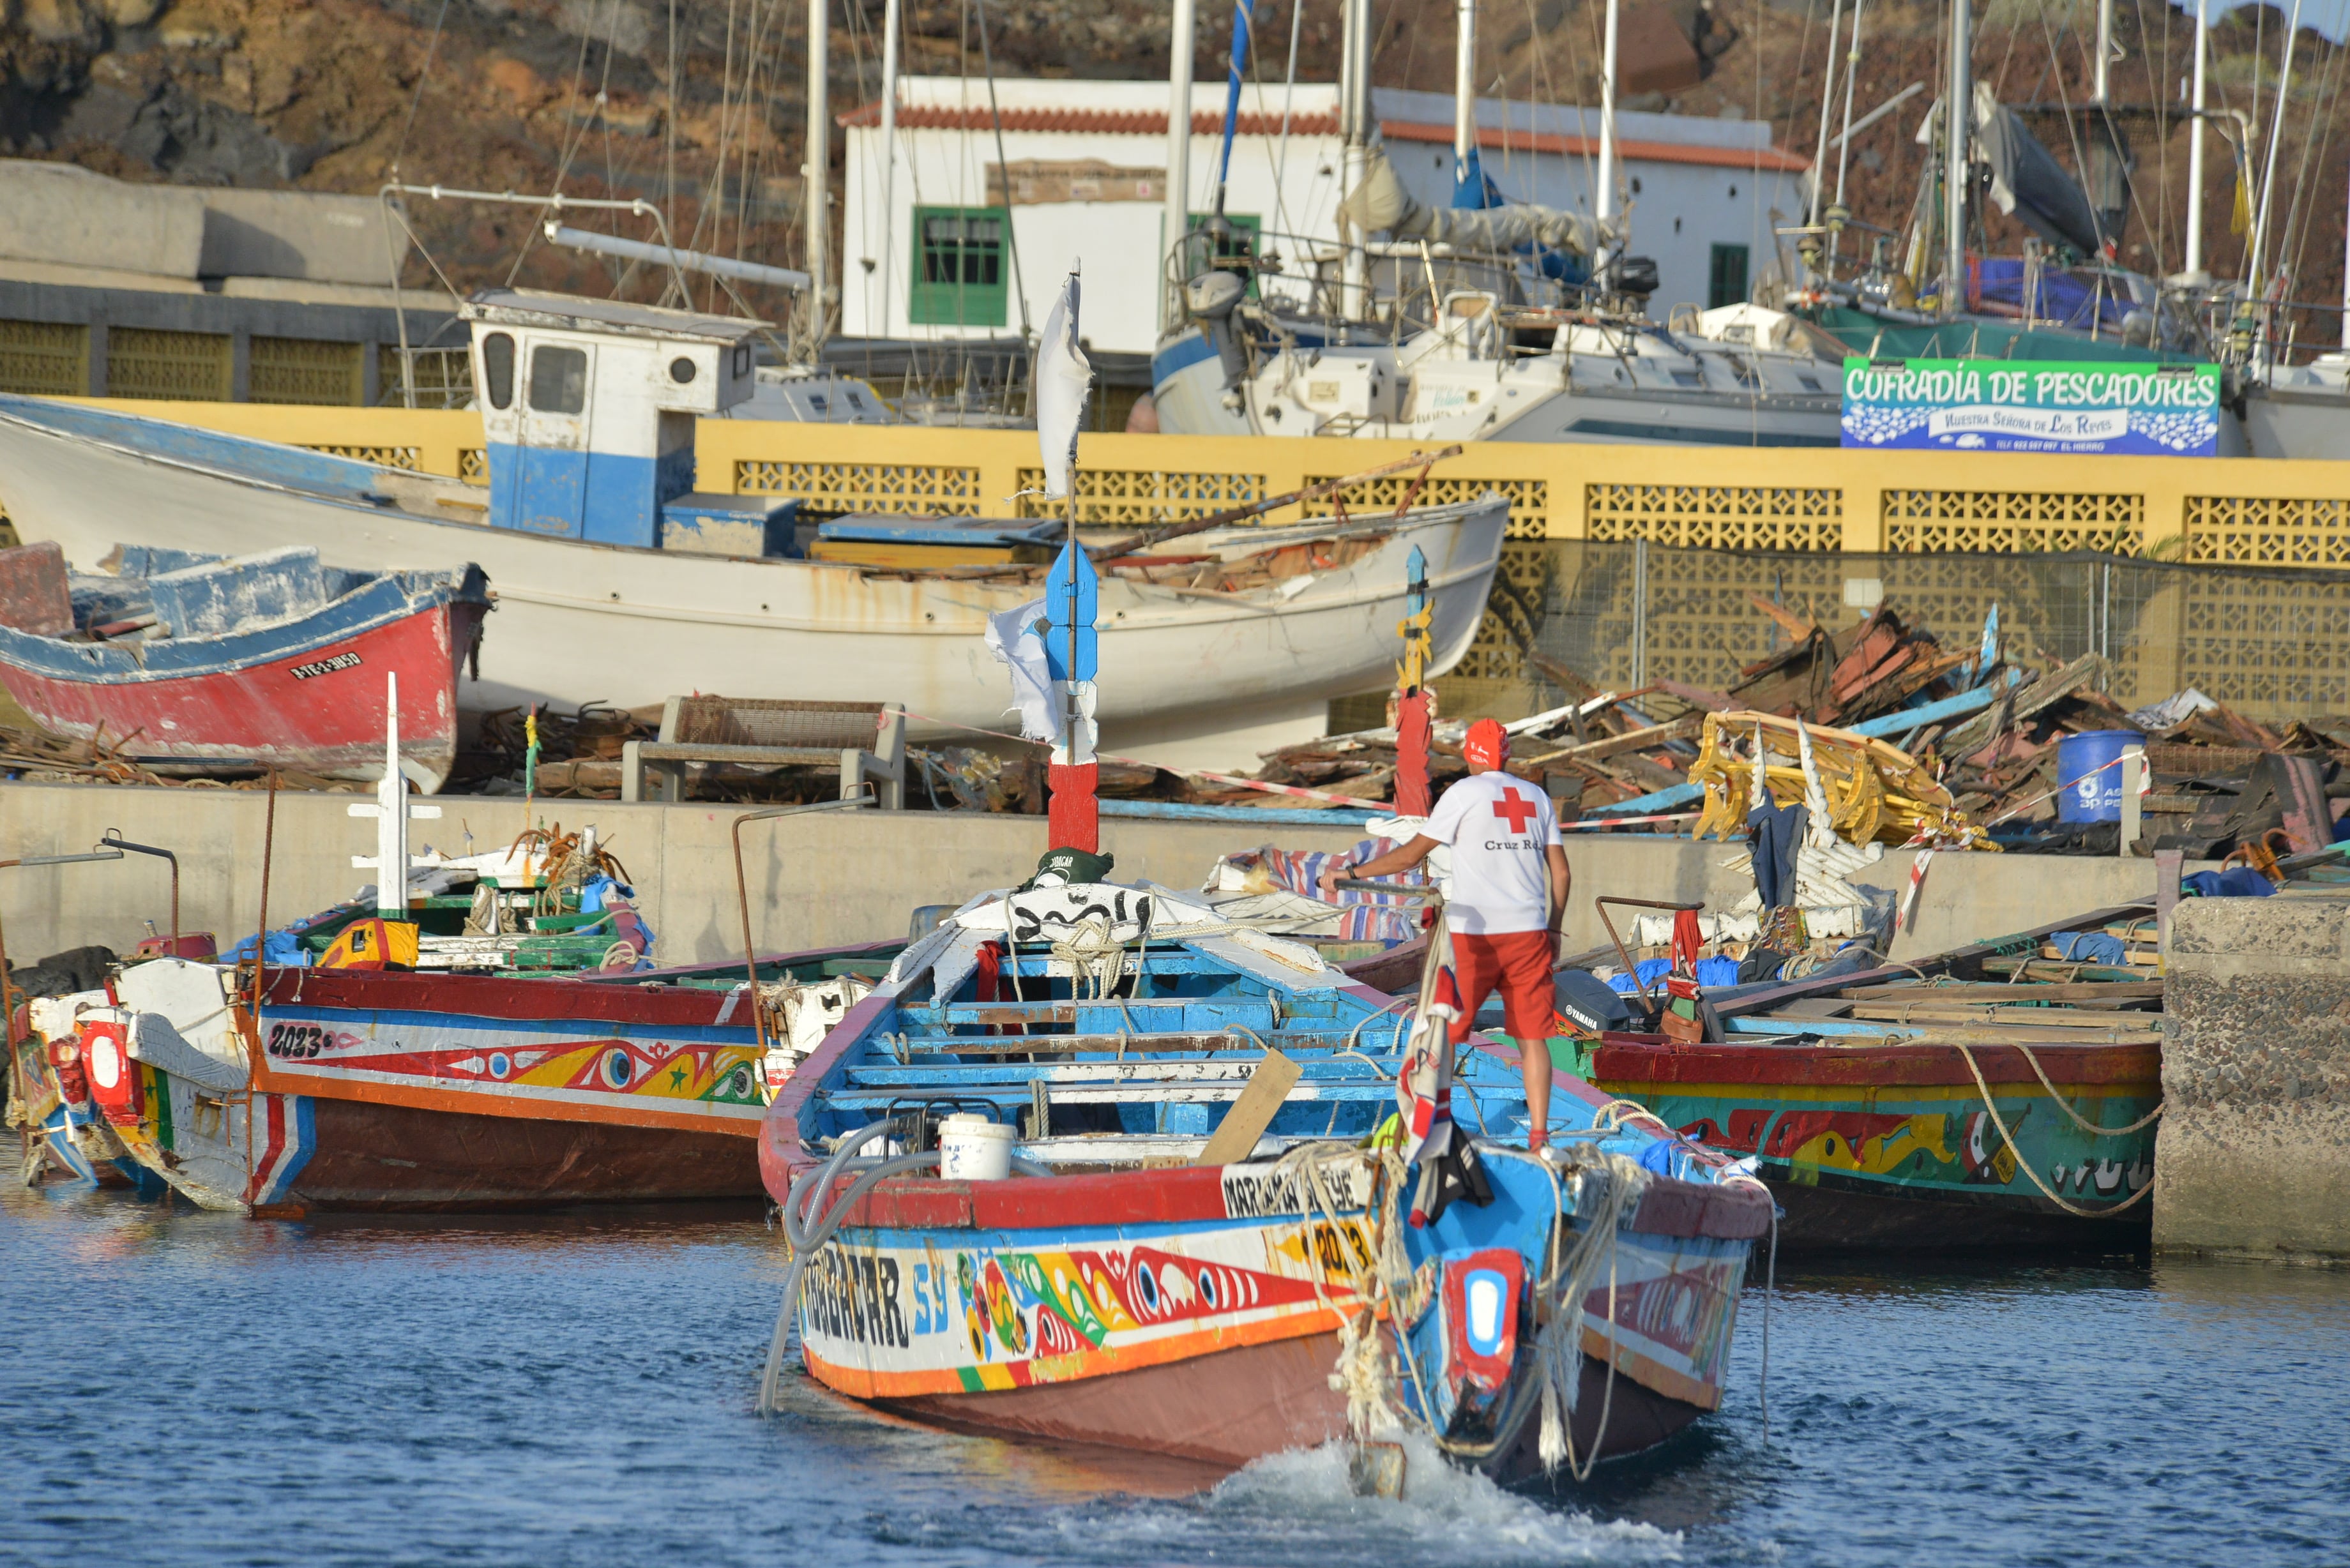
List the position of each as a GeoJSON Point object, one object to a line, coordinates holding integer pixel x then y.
{"type": "Point", "coordinates": [974, 1148]}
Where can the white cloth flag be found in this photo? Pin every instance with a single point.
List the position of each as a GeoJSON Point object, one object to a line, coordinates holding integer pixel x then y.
{"type": "Point", "coordinates": [1012, 637]}
{"type": "Point", "coordinates": [1063, 379]}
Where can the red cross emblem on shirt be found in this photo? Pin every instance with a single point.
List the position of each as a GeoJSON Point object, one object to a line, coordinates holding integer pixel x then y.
{"type": "Point", "coordinates": [1516, 808]}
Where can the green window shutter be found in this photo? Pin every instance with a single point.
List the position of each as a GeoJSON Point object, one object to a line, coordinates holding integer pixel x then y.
{"type": "Point", "coordinates": [1727, 284]}
{"type": "Point", "coordinates": [962, 268]}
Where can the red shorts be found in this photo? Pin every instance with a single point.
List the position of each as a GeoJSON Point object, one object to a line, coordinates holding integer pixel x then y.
{"type": "Point", "coordinates": [1517, 963]}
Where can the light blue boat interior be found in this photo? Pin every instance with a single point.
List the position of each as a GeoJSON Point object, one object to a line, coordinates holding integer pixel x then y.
{"type": "Point", "coordinates": [1116, 1077]}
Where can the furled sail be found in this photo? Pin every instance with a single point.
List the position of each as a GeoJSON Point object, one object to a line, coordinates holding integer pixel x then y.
{"type": "Point", "coordinates": [1380, 203]}
{"type": "Point", "coordinates": [2027, 182]}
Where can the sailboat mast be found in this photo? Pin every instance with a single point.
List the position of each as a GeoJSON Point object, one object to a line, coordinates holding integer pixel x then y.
{"type": "Point", "coordinates": [2105, 52]}
{"type": "Point", "coordinates": [816, 200]}
{"type": "Point", "coordinates": [1465, 170]}
{"type": "Point", "coordinates": [893, 21]}
{"type": "Point", "coordinates": [1957, 115]}
{"type": "Point", "coordinates": [1827, 98]}
{"type": "Point", "coordinates": [1603, 202]}
{"type": "Point", "coordinates": [1177, 222]}
{"type": "Point", "coordinates": [1354, 131]}
{"type": "Point", "coordinates": [2195, 148]}
{"type": "Point", "coordinates": [2346, 287]}
{"type": "Point", "coordinates": [1851, 71]}
{"type": "Point", "coordinates": [2277, 107]}
{"type": "Point", "coordinates": [1244, 28]}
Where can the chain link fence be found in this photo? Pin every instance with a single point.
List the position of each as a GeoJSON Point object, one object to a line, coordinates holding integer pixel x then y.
{"type": "Point", "coordinates": [2273, 644]}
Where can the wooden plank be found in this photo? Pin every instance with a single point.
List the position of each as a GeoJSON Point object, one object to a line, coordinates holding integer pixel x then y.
{"type": "Point", "coordinates": [1235, 1137]}
{"type": "Point", "coordinates": [1853, 1032]}
{"type": "Point", "coordinates": [1993, 991]}
{"type": "Point", "coordinates": [2021, 1017]}
{"type": "Point", "coordinates": [1680, 729]}
{"type": "Point", "coordinates": [920, 1047]}
{"type": "Point", "coordinates": [1814, 1007]}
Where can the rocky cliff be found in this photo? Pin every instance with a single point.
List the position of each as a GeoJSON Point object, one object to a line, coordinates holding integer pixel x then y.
{"type": "Point", "coordinates": [698, 105]}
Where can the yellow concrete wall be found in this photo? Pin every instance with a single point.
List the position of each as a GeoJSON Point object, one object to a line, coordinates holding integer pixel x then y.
{"type": "Point", "coordinates": [2231, 511]}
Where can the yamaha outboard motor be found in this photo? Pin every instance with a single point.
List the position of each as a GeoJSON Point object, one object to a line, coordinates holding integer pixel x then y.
{"type": "Point", "coordinates": [1210, 299]}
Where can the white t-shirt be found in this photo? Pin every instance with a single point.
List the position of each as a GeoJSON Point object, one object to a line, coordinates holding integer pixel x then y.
{"type": "Point", "coordinates": [1499, 829]}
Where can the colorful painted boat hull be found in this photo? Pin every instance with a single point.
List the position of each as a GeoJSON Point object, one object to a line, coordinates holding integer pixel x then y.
{"type": "Point", "coordinates": [304, 694]}
{"type": "Point", "coordinates": [1893, 1146]}
{"type": "Point", "coordinates": [361, 1090]}
{"type": "Point", "coordinates": [461, 1091]}
{"type": "Point", "coordinates": [1209, 1335]}
{"type": "Point", "coordinates": [1199, 1312]}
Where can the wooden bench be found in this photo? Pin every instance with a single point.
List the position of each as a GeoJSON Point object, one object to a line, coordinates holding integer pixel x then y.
{"type": "Point", "coordinates": [864, 739]}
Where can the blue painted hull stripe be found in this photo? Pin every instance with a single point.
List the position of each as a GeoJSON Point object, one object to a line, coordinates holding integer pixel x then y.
{"type": "Point", "coordinates": [379, 604]}
{"type": "Point", "coordinates": [1181, 355]}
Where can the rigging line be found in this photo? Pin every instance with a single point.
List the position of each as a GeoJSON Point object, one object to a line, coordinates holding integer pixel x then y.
{"type": "Point", "coordinates": [1288, 95]}
{"type": "Point", "coordinates": [717, 175]}
{"type": "Point", "coordinates": [2329, 99]}
{"type": "Point", "coordinates": [2073, 134]}
{"type": "Point", "coordinates": [994, 113]}
{"type": "Point", "coordinates": [765, 31]}
{"type": "Point", "coordinates": [669, 127]}
{"type": "Point", "coordinates": [2156, 82]}
{"type": "Point", "coordinates": [1795, 94]}
{"type": "Point", "coordinates": [2137, 203]}
{"type": "Point", "coordinates": [563, 166]}
{"type": "Point", "coordinates": [432, 46]}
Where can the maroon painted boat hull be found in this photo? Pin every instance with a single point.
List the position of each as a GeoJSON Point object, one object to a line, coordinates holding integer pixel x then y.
{"type": "Point", "coordinates": [392, 1157]}
{"type": "Point", "coordinates": [1227, 1409]}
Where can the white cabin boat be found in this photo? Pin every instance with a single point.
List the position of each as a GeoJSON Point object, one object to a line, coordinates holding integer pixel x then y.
{"type": "Point", "coordinates": [616, 584]}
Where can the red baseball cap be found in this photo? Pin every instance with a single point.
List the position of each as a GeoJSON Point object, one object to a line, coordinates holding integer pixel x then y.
{"type": "Point", "coordinates": [1488, 745]}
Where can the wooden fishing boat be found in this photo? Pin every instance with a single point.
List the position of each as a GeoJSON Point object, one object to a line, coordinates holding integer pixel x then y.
{"type": "Point", "coordinates": [276, 669]}
{"type": "Point", "coordinates": [1203, 1237]}
{"type": "Point", "coordinates": [619, 584]}
{"type": "Point", "coordinates": [349, 1089]}
{"type": "Point", "coordinates": [1982, 1097]}
{"type": "Point", "coordinates": [1923, 1145]}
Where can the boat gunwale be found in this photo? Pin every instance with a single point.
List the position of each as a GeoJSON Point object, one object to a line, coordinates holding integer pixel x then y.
{"type": "Point", "coordinates": [1668, 1207]}
{"type": "Point", "coordinates": [347, 615]}
{"type": "Point", "coordinates": [1653, 1059]}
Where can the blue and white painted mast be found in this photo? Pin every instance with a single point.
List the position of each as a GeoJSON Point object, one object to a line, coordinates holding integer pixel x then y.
{"type": "Point", "coordinates": [1063, 379]}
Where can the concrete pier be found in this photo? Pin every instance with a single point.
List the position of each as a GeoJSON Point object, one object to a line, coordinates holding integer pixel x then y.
{"type": "Point", "coordinates": [2253, 1158]}
{"type": "Point", "coordinates": [832, 876]}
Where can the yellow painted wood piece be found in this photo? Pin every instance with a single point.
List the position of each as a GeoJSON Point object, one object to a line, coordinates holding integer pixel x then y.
{"type": "Point", "coordinates": [910, 558]}
{"type": "Point", "coordinates": [1235, 1137]}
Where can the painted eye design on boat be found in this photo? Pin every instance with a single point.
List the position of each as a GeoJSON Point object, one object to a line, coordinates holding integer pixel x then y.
{"type": "Point", "coordinates": [1208, 1289]}
{"type": "Point", "coordinates": [500, 1065]}
{"type": "Point", "coordinates": [616, 1068]}
{"type": "Point", "coordinates": [1146, 1290]}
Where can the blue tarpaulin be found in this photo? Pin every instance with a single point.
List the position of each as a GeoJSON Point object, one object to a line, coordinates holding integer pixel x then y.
{"type": "Point", "coordinates": [2243, 882]}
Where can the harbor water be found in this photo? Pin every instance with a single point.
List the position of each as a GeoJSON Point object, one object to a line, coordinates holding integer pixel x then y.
{"type": "Point", "coordinates": [182, 1387]}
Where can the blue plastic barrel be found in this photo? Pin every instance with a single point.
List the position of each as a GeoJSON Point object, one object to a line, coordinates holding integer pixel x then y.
{"type": "Point", "coordinates": [2088, 794]}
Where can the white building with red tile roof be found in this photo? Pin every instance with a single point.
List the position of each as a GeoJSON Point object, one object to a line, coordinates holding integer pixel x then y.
{"type": "Point", "coordinates": [961, 247]}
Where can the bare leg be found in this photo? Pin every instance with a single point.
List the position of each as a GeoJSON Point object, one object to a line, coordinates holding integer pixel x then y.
{"type": "Point", "coordinates": [1535, 1056]}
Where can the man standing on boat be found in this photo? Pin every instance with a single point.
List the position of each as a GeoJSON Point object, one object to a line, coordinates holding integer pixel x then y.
{"type": "Point", "coordinates": [1510, 879]}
